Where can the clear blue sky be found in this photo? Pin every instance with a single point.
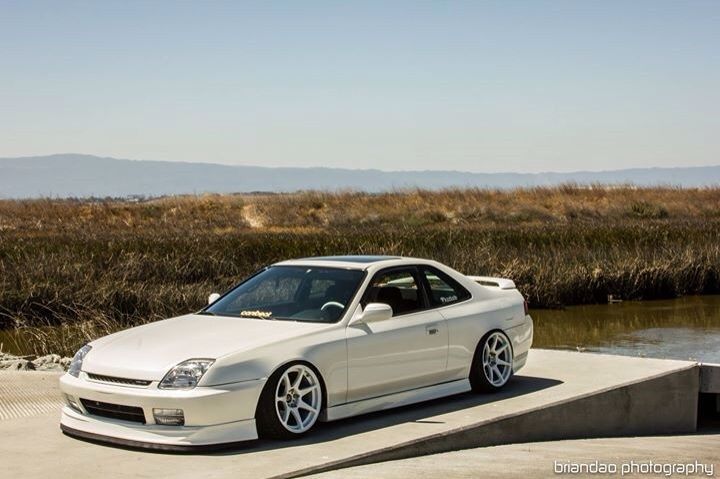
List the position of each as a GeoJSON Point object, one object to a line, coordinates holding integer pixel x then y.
{"type": "Point", "coordinates": [481, 86]}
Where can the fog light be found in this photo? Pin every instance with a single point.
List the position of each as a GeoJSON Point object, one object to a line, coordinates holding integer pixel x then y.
{"type": "Point", "coordinates": [169, 417]}
{"type": "Point", "coordinates": [72, 402]}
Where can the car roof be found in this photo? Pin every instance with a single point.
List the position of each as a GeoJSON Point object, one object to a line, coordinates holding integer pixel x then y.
{"type": "Point", "coordinates": [352, 258]}
{"type": "Point", "coordinates": [348, 261]}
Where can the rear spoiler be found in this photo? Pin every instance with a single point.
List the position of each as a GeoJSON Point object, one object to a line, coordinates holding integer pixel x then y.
{"type": "Point", "coordinates": [501, 283]}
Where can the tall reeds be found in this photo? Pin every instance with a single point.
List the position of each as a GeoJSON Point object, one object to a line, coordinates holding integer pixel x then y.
{"type": "Point", "coordinates": [90, 267]}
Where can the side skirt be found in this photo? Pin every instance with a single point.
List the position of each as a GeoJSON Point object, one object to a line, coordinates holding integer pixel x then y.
{"type": "Point", "coordinates": [395, 400]}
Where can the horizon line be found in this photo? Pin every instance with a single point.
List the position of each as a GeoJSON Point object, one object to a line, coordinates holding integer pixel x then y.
{"type": "Point", "coordinates": [232, 165]}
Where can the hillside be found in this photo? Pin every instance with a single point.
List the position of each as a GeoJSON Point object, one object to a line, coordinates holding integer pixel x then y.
{"type": "Point", "coordinates": [72, 175]}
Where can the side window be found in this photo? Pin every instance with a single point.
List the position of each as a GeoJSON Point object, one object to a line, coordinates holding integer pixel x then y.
{"type": "Point", "coordinates": [443, 289]}
{"type": "Point", "coordinates": [397, 288]}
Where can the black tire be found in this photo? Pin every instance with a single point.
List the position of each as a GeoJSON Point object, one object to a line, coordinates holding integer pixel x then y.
{"type": "Point", "coordinates": [479, 380]}
{"type": "Point", "coordinates": [267, 421]}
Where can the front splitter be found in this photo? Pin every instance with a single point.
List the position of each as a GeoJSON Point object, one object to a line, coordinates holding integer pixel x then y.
{"type": "Point", "coordinates": [151, 446]}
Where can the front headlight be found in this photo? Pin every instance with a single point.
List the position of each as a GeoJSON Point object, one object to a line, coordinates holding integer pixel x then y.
{"type": "Point", "coordinates": [186, 375]}
{"type": "Point", "coordinates": [77, 360]}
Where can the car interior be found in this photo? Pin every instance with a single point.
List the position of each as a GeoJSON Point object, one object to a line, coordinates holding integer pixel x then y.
{"type": "Point", "coordinates": [301, 298]}
{"type": "Point", "coordinates": [401, 299]}
{"type": "Point", "coordinates": [319, 295]}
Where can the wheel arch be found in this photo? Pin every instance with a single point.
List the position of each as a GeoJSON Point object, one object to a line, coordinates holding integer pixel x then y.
{"type": "Point", "coordinates": [488, 333]}
{"type": "Point", "coordinates": [477, 360]}
{"type": "Point", "coordinates": [291, 362]}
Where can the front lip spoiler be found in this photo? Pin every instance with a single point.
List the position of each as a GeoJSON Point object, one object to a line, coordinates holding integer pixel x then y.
{"type": "Point", "coordinates": [153, 447]}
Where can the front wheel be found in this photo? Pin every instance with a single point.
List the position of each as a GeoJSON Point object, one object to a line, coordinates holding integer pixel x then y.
{"type": "Point", "coordinates": [290, 403]}
{"type": "Point", "coordinates": [492, 363]}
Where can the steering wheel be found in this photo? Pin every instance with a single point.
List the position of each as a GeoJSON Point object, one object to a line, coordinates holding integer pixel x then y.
{"type": "Point", "coordinates": [332, 303]}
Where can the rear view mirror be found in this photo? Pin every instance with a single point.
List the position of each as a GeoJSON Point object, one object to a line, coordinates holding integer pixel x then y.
{"type": "Point", "coordinates": [213, 297]}
{"type": "Point", "coordinates": [376, 312]}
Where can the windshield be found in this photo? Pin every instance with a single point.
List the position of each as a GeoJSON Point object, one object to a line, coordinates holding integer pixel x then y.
{"type": "Point", "coordinates": [298, 293]}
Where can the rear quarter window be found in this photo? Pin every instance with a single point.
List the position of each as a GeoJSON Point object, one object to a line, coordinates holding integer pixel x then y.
{"type": "Point", "coordinates": [442, 289]}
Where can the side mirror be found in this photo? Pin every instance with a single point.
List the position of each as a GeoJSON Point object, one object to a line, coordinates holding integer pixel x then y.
{"type": "Point", "coordinates": [376, 312]}
{"type": "Point", "coordinates": [213, 297]}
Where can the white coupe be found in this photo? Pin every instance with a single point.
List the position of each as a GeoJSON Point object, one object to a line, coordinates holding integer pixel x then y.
{"type": "Point", "coordinates": [299, 341]}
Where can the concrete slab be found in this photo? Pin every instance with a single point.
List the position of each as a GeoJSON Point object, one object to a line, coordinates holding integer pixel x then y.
{"type": "Point", "coordinates": [538, 460]}
{"type": "Point", "coordinates": [559, 393]}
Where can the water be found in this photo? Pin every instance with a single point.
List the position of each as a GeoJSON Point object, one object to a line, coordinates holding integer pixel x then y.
{"type": "Point", "coordinates": [684, 328]}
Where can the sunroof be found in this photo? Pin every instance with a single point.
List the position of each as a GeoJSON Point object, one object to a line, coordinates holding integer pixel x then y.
{"type": "Point", "coordinates": [353, 258]}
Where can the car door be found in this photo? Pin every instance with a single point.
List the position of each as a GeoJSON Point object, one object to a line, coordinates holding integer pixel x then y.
{"type": "Point", "coordinates": [405, 352]}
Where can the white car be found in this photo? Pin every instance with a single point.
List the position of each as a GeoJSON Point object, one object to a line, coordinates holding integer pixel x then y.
{"type": "Point", "coordinates": [299, 341]}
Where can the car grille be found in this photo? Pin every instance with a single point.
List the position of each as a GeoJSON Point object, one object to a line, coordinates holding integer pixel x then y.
{"type": "Point", "coordinates": [114, 380]}
{"type": "Point", "coordinates": [114, 411]}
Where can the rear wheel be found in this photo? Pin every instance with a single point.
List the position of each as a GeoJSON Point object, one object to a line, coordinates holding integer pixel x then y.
{"type": "Point", "coordinates": [290, 403]}
{"type": "Point", "coordinates": [492, 363]}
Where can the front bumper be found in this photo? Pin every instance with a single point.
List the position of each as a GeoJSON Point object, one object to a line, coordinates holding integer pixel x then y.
{"type": "Point", "coordinates": [213, 415]}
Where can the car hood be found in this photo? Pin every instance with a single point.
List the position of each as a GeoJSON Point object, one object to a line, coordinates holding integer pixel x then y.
{"type": "Point", "coordinates": [149, 351]}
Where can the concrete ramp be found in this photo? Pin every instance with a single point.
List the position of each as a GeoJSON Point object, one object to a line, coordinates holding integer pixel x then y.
{"type": "Point", "coordinates": [558, 395]}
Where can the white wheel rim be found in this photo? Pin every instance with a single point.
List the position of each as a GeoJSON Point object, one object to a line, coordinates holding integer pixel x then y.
{"type": "Point", "coordinates": [497, 359]}
{"type": "Point", "coordinates": [298, 398]}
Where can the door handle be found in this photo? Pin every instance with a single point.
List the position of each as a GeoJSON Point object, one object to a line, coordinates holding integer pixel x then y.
{"type": "Point", "coordinates": [432, 330]}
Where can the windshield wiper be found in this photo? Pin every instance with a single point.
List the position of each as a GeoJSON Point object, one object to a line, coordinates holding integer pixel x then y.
{"type": "Point", "coordinates": [207, 313]}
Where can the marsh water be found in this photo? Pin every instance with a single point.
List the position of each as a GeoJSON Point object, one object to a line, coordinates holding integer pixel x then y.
{"type": "Point", "coordinates": [684, 328]}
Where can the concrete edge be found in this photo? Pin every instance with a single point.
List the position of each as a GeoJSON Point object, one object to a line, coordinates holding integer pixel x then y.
{"type": "Point", "coordinates": [710, 378]}
{"type": "Point", "coordinates": [626, 356]}
{"type": "Point", "coordinates": [466, 438]}
{"type": "Point", "coordinates": [34, 372]}
{"type": "Point", "coordinates": [681, 366]}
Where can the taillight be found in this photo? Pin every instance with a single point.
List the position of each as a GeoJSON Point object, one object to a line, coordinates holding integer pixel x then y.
{"type": "Point", "coordinates": [527, 309]}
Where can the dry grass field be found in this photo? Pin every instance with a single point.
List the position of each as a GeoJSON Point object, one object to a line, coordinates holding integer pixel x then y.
{"type": "Point", "coordinates": [94, 266]}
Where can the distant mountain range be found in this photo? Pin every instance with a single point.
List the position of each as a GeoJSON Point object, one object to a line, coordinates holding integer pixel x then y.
{"type": "Point", "coordinates": [71, 175]}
